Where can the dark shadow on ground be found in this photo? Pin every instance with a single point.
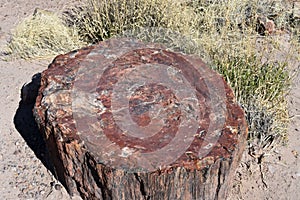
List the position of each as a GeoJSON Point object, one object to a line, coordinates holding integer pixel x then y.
{"type": "Point", "coordinates": [25, 123]}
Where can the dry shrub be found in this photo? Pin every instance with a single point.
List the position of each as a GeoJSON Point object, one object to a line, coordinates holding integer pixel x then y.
{"type": "Point", "coordinates": [42, 35]}
{"type": "Point", "coordinates": [228, 30]}
{"type": "Point", "coordinates": [97, 20]}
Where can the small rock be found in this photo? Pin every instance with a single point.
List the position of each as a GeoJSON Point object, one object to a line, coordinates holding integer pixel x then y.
{"type": "Point", "coordinates": [295, 153]}
{"type": "Point", "coordinates": [57, 187]}
{"type": "Point", "coordinates": [265, 26]}
{"type": "Point", "coordinates": [17, 152]}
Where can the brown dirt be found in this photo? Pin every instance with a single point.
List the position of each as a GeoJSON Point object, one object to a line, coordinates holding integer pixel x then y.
{"type": "Point", "coordinates": [24, 167]}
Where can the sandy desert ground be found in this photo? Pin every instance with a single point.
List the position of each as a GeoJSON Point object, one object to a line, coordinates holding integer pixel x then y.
{"type": "Point", "coordinates": [24, 170]}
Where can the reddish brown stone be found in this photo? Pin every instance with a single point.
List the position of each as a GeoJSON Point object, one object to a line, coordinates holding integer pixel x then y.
{"type": "Point", "coordinates": [128, 120]}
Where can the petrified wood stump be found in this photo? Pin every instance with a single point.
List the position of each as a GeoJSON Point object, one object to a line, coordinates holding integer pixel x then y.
{"type": "Point", "coordinates": [128, 120]}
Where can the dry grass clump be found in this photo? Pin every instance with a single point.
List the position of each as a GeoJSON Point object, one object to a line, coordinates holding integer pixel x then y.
{"type": "Point", "coordinates": [42, 35]}
{"type": "Point", "coordinates": [98, 20]}
{"type": "Point", "coordinates": [224, 28]}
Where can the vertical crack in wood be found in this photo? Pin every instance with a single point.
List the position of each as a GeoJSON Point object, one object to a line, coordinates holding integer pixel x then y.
{"type": "Point", "coordinates": [142, 186]}
{"type": "Point", "coordinates": [219, 181]}
{"type": "Point", "coordinates": [100, 181]}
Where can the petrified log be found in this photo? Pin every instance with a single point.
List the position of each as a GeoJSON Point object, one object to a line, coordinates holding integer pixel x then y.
{"type": "Point", "coordinates": [128, 120]}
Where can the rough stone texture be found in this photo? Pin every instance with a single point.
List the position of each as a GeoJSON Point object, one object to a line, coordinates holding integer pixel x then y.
{"type": "Point", "coordinates": [96, 157]}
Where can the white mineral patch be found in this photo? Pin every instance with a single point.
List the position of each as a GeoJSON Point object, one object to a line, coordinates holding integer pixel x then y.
{"type": "Point", "coordinates": [126, 151]}
{"type": "Point", "coordinates": [233, 130]}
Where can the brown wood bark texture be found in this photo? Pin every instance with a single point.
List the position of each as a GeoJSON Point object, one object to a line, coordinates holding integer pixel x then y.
{"type": "Point", "coordinates": [78, 154]}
